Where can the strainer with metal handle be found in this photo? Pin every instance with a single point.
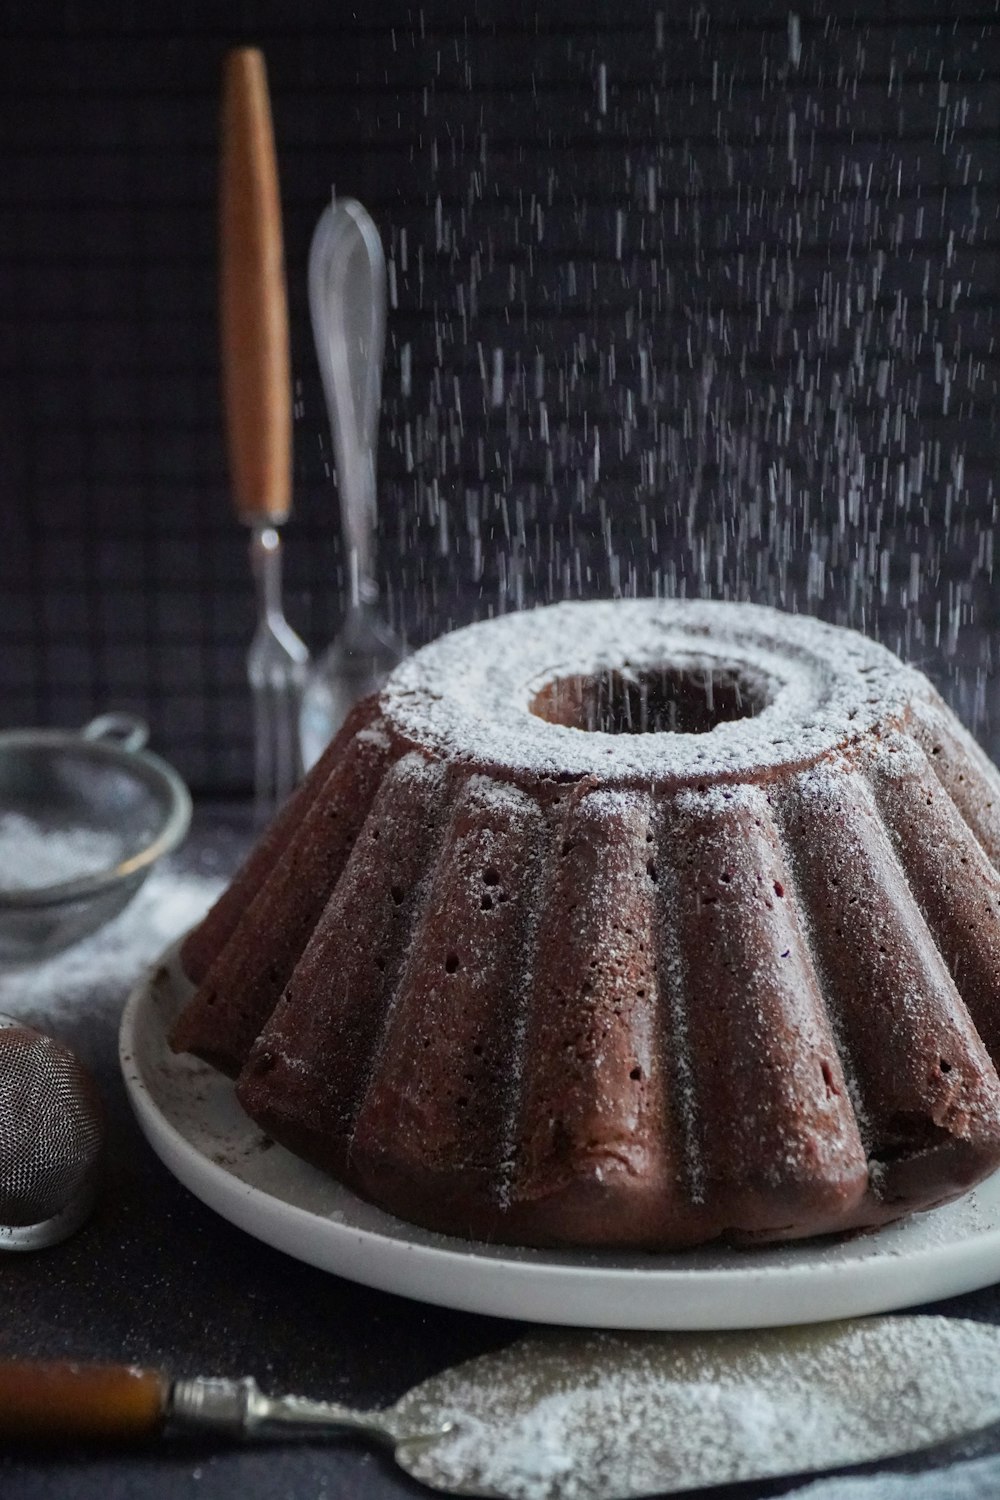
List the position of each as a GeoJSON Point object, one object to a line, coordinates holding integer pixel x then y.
{"type": "Point", "coordinates": [51, 1133]}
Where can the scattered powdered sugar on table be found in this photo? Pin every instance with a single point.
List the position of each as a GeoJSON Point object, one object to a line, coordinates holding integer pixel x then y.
{"type": "Point", "coordinates": [103, 967]}
{"type": "Point", "coordinates": [979, 1480]}
{"type": "Point", "coordinates": [606, 1416]}
{"type": "Point", "coordinates": [33, 856]}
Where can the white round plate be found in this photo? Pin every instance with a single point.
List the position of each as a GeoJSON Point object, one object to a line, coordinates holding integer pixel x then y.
{"type": "Point", "coordinates": [190, 1116]}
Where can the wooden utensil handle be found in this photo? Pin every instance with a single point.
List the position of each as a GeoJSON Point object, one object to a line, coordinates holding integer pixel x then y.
{"type": "Point", "coordinates": [66, 1401]}
{"type": "Point", "coordinates": [256, 373]}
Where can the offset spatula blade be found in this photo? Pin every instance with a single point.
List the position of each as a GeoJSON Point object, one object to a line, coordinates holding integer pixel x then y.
{"type": "Point", "coordinates": [607, 1416]}
{"type": "Point", "coordinates": [596, 1416]}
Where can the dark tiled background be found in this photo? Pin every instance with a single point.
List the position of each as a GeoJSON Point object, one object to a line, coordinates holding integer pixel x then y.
{"type": "Point", "coordinates": [694, 298]}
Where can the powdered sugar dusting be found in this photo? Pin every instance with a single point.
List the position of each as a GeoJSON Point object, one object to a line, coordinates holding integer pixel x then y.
{"type": "Point", "coordinates": [33, 855]}
{"type": "Point", "coordinates": [672, 988]}
{"type": "Point", "coordinates": [612, 1415]}
{"type": "Point", "coordinates": [374, 735]}
{"type": "Point", "coordinates": [534, 991]}
{"type": "Point", "coordinates": [470, 694]}
{"type": "Point", "coordinates": [103, 967]}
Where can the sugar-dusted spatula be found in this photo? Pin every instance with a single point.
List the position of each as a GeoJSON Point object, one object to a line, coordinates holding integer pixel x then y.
{"type": "Point", "coordinates": [592, 1416]}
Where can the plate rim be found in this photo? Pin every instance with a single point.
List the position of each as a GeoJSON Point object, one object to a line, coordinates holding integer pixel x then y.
{"type": "Point", "coordinates": [588, 1289]}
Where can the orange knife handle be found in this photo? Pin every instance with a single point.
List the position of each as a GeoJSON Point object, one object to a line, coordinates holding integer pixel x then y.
{"type": "Point", "coordinates": [256, 373]}
{"type": "Point", "coordinates": [67, 1401]}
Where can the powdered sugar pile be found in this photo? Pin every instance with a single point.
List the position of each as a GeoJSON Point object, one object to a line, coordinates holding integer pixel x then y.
{"type": "Point", "coordinates": [33, 856]}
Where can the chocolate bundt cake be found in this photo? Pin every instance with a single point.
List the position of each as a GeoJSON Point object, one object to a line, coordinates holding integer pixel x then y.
{"type": "Point", "coordinates": [626, 924]}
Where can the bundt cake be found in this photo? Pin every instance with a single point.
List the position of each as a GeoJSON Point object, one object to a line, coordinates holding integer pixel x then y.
{"type": "Point", "coordinates": [639, 923]}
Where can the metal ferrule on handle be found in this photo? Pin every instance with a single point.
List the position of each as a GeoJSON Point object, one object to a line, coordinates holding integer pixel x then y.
{"type": "Point", "coordinates": [265, 559]}
{"type": "Point", "coordinates": [239, 1409]}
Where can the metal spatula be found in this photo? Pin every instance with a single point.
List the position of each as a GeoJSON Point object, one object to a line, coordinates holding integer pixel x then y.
{"type": "Point", "coordinates": [592, 1416]}
{"type": "Point", "coordinates": [347, 293]}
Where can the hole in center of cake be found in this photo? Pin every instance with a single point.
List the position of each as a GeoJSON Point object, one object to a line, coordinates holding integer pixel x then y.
{"type": "Point", "coordinates": [655, 700]}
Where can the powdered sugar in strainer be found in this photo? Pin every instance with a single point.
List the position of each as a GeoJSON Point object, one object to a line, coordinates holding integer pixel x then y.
{"type": "Point", "coordinates": [84, 816]}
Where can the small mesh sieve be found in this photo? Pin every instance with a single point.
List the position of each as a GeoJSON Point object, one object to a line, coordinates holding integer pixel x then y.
{"type": "Point", "coordinates": [51, 1133]}
{"type": "Point", "coordinates": [84, 817]}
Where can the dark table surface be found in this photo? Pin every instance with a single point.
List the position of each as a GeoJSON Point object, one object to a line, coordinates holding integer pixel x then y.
{"type": "Point", "coordinates": [157, 1278]}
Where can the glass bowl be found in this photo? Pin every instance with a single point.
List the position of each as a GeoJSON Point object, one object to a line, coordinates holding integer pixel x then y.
{"type": "Point", "coordinates": [84, 817]}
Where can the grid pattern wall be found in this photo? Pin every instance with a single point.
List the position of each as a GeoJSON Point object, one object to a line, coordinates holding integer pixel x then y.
{"type": "Point", "coordinates": [694, 300]}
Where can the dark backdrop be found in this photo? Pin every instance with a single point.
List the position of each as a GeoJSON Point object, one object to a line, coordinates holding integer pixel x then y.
{"type": "Point", "coordinates": [695, 298]}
